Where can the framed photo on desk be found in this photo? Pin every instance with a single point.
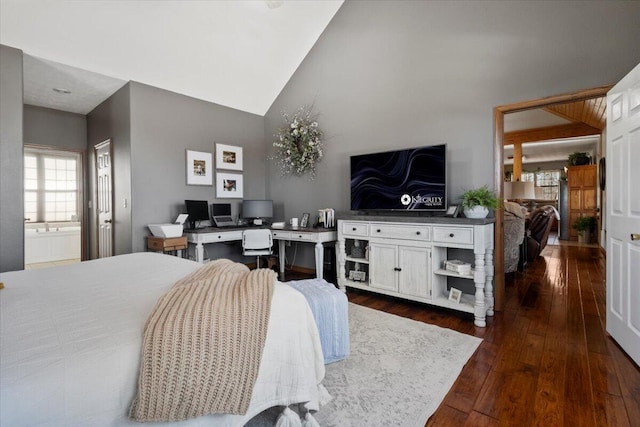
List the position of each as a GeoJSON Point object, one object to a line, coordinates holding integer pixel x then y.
{"type": "Point", "coordinates": [304, 221]}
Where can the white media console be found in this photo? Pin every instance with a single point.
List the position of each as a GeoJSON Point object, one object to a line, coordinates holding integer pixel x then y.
{"type": "Point", "coordinates": [404, 257]}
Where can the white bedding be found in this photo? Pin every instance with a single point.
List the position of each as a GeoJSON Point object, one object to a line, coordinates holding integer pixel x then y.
{"type": "Point", "coordinates": [70, 340]}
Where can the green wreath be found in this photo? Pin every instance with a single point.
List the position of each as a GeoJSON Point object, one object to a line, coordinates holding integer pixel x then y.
{"type": "Point", "coordinates": [298, 145]}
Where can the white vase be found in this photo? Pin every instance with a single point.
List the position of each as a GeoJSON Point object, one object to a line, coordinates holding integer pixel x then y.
{"type": "Point", "coordinates": [476, 212]}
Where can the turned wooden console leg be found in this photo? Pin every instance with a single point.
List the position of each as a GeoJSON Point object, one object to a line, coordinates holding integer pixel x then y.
{"type": "Point", "coordinates": [488, 290]}
{"type": "Point", "coordinates": [479, 277]}
{"type": "Point", "coordinates": [340, 261]}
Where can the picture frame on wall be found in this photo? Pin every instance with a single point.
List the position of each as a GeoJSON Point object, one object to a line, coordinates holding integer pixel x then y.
{"type": "Point", "coordinates": [228, 157]}
{"type": "Point", "coordinates": [199, 168]}
{"type": "Point", "coordinates": [229, 185]}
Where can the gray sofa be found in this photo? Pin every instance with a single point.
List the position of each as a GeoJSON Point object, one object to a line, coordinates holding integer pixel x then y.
{"type": "Point", "coordinates": [514, 219]}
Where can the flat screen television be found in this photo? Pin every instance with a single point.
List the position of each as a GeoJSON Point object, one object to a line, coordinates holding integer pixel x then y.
{"type": "Point", "coordinates": [198, 210]}
{"type": "Point", "coordinates": [257, 209]}
{"type": "Point", "coordinates": [413, 179]}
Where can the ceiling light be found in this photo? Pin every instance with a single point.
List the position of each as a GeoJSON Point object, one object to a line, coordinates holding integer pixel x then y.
{"type": "Point", "coordinates": [273, 4]}
{"type": "Point", "coordinates": [61, 90]}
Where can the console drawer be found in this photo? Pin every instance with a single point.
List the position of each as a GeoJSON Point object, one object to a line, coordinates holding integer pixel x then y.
{"type": "Point", "coordinates": [281, 235]}
{"type": "Point", "coordinates": [303, 237]}
{"type": "Point", "coordinates": [355, 229]}
{"type": "Point", "coordinates": [406, 232]}
{"type": "Point", "coordinates": [458, 235]}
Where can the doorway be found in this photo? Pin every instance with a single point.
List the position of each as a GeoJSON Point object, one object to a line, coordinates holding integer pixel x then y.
{"type": "Point", "coordinates": [499, 138]}
{"type": "Point", "coordinates": [53, 200]}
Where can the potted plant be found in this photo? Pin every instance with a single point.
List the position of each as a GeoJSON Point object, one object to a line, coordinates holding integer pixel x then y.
{"type": "Point", "coordinates": [585, 226]}
{"type": "Point", "coordinates": [579, 158]}
{"type": "Point", "coordinates": [476, 202]}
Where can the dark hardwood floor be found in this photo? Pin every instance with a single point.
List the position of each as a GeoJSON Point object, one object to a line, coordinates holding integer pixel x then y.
{"type": "Point", "coordinates": [545, 360]}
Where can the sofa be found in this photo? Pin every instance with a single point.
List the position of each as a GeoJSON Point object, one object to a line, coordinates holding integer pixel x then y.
{"type": "Point", "coordinates": [538, 228]}
{"type": "Point", "coordinates": [514, 226]}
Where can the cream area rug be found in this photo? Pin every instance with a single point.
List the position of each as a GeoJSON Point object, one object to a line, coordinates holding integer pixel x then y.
{"type": "Point", "coordinates": [398, 373]}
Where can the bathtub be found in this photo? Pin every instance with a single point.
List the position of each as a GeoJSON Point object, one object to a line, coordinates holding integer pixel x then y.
{"type": "Point", "coordinates": [51, 242]}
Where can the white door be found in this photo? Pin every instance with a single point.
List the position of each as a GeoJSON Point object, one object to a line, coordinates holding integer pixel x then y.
{"type": "Point", "coordinates": [623, 213]}
{"type": "Point", "coordinates": [104, 202]}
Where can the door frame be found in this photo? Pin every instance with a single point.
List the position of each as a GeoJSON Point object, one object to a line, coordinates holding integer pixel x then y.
{"type": "Point", "coordinates": [498, 166]}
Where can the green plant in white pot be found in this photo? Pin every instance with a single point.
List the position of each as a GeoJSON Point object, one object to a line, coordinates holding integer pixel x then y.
{"type": "Point", "coordinates": [585, 225]}
{"type": "Point", "coordinates": [477, 202]}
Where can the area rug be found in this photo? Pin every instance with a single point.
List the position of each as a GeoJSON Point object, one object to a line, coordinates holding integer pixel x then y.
{"type": "Point", "coordinates": [398, 373]}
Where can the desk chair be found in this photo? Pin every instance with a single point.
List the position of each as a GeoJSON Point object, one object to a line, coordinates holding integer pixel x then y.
{"type": "Point", "coordinates": [257, 242]}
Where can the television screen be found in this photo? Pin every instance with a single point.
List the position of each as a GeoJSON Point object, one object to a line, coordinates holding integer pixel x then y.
{"type": "Point", "coordinates": [411, 180]}
{"type": "Point", "coordinates": [257, 209]}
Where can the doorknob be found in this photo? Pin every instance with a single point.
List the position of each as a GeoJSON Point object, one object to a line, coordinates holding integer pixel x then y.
{"type": "Point", "coordinates": [107, 221]}
{"type": "Point", "coordinates": [635, 236]}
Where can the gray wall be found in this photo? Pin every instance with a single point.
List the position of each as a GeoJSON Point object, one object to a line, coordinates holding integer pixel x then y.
{"type": "Point", "coordinates": [60, 129]}
{"type": "Point", "coordinates": [389, 74]}
{"type": "Point", "coordinates": [151, 129]}
{"type": "Point", "coordinates": [11, 161]}
{"type": "Point", "coordinates": [163, 126]}
{"type": "Point", "coordinates": [112, 120]}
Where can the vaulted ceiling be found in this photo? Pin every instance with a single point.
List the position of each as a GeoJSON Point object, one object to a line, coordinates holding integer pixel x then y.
{"type": "Point", "coordinates": [237, 53]}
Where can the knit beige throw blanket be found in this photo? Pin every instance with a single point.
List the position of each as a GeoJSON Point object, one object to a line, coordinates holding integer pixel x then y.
{"type": "Point", "coordinates": [203, 343]}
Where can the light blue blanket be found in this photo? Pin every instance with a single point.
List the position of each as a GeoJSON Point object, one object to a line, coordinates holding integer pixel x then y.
{"type": "Point", "coordinates": [330, 310]}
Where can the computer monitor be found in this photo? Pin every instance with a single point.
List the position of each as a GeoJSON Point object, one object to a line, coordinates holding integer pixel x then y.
{"type": "Point", "coordinates": [198, 210]}
{"type": "Point", "coordinates": [257, 210]}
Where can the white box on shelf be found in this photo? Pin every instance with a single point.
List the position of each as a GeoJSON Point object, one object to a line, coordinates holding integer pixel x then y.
{"type": "Point", "coordinates": [458, 266]}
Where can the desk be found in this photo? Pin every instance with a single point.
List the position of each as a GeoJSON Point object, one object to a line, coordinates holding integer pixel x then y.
{"type": "Point", "coordinates": [281, 234]}
{"type": "Point", "coordinates": [309, 235]}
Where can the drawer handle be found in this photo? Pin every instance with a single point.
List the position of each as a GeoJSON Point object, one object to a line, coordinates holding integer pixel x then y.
{"type": "Point", "coordinates": [299, 236]}
{"type": "Point", "coordinates": [353, 229]}
{"type": "Point", "coordinates": [397, 269]}
{"type": "Point", "coordinates": [418, 233]}
{"type": "Point", "coordinates": [378, 230]}
{"type": "Point", "coordinates": [451, 234]}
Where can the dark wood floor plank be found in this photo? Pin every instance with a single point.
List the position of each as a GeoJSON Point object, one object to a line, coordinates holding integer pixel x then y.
{"type": "Point", "coordinates": [466, 389]}
{"type": "Point", "coordinates": [477, 419]}
{"type": "Point", "coordinates": [446, 416]}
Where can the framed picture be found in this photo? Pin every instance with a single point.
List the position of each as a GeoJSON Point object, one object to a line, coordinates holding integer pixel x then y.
{"type": "Point", "coordinates": [453, 211]}
{"type": "Point", "coordinates": [455, 295]}
{"type": "Point", "coordinates": [304, 221]}
{"type": "Point", "coordinates": [229, 185]}
{"type": "Point", "coordinates": [228, 157]}
{"type": "Point", "coordinates": [199, 168]}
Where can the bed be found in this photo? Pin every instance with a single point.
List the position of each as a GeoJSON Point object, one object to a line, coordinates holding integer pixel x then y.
{"type": "Point", "coordinates": [70, 343]}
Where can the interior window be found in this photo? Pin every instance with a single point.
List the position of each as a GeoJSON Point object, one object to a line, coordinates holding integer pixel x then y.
{"type": "Point", "coordinates": [50, 185]}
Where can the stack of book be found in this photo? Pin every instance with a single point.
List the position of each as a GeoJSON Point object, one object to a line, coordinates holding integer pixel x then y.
{"type": "Point", "coordinates": [457, 266]}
